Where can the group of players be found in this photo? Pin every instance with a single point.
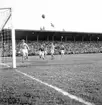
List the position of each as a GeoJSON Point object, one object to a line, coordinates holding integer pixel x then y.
{"type": "Point", "coordinates": [24, 48]}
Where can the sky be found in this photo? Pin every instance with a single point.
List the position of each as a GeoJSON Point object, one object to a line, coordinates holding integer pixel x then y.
{"type": "Point", "coordinates": [70, 15]}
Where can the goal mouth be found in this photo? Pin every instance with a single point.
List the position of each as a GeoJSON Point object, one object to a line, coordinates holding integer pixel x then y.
{"type": "Point", "coordinates": [6, 49]}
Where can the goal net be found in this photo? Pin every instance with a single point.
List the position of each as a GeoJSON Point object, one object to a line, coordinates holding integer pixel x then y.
{"type": "Point", "coordinates": [6, 46]}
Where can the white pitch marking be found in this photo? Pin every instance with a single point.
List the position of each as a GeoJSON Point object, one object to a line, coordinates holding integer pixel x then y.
{"type": "Point", "coordinates": [4, 64]}
{"type": "Point", "coordinates": [58, 89]}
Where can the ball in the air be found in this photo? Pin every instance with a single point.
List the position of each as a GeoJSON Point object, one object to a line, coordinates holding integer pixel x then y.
{"type": "Point", "coordinates": [43, 16]}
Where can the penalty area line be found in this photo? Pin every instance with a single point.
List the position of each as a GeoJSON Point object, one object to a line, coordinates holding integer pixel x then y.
{"type": "Point", "coordinates": [57, 89]}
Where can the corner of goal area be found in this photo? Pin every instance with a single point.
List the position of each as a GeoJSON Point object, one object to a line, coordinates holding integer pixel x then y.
{"type": "Point", "coordinates": [4, 66]}
{"type": "Point", "coordinates": [9, 66]}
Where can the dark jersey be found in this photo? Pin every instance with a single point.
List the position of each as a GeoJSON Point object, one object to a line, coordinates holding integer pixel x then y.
{"type": "Point", "coordinates": [41, 49]}
{"type": "Point", "coordinates": [62, 48]}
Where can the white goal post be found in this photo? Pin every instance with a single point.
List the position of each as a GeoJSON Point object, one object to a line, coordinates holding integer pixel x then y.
{"type": "Point", "coordinates": [7, 39]}
{"type": "Point", "coordinates": [13, 48]}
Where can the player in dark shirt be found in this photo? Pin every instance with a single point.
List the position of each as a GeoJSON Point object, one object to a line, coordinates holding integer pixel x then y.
{"type": "Point", "coordinates": [41, 52]}
{"type": "Point", "coordinates": [62, 50]}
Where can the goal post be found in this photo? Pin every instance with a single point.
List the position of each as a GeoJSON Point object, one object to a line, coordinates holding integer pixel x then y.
{"type": "Point", "coordinates": [13, 48]}
{"type": "Point", "coordinates": [7, 39]}
{"type": "Point", "coordinates": [13, 42]}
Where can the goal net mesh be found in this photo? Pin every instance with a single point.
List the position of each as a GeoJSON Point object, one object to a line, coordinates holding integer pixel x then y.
{"type": "Point", "coordinates": [5, 38]}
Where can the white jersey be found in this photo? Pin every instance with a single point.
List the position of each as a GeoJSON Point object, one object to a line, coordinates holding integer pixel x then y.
{"type": "Point", "coordinates": [52, 47]}
{"type": "Point", "coordinates": [24, 46]}
{"type": "Point", "coordinates": [24, 49]}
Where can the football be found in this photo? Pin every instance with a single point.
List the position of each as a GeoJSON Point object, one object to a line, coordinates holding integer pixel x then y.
{"type": "Point", "coordinates": [43, 16]}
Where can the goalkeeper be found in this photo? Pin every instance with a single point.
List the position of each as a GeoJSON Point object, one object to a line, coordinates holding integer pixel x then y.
{"type": "Point", "coordinates": [24, 50]}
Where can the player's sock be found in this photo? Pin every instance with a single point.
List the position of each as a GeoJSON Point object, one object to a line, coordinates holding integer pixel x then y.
{"type": "Point", "coordinates": [22, 60]}
{"type": "Point", "coordinates": [52, 57]}
{"type": "Point", "coordinates": [39, 56]}
{"type": "Point", "coordinates": [26, 56]}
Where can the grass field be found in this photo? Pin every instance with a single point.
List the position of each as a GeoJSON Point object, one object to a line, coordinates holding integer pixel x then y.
{"type": "Point", "coordinates": [79, 75]}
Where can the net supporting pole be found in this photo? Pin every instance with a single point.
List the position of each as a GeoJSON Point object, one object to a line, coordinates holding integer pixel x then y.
{"type": "Point", "coordinates": [13, 45]}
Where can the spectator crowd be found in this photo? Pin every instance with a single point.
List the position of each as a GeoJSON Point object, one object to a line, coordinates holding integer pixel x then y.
{"type": "Point", "coordinates": [70, 47]}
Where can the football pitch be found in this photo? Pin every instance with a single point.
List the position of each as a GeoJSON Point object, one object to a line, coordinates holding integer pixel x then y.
{"type": "Point", "coordinates": [70, 80]}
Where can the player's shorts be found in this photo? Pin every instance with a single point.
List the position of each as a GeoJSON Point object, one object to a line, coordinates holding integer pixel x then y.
{"type": "Point", "coordinates": [62, 52]}
{"type": "Point", "coordinates": [52, 51]}
{"type": "Point", "coordinates": [45, 52]}
{"type": "Point", "coordinates": [24, 52]}
{"type": "Point", "coordinates": [42, 54]}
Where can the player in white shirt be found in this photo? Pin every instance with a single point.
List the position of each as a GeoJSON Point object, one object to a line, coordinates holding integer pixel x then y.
{"type": "Point", "coordinates": [24, 50]}
{"type": "Point", "coordinates": [52, 50]}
